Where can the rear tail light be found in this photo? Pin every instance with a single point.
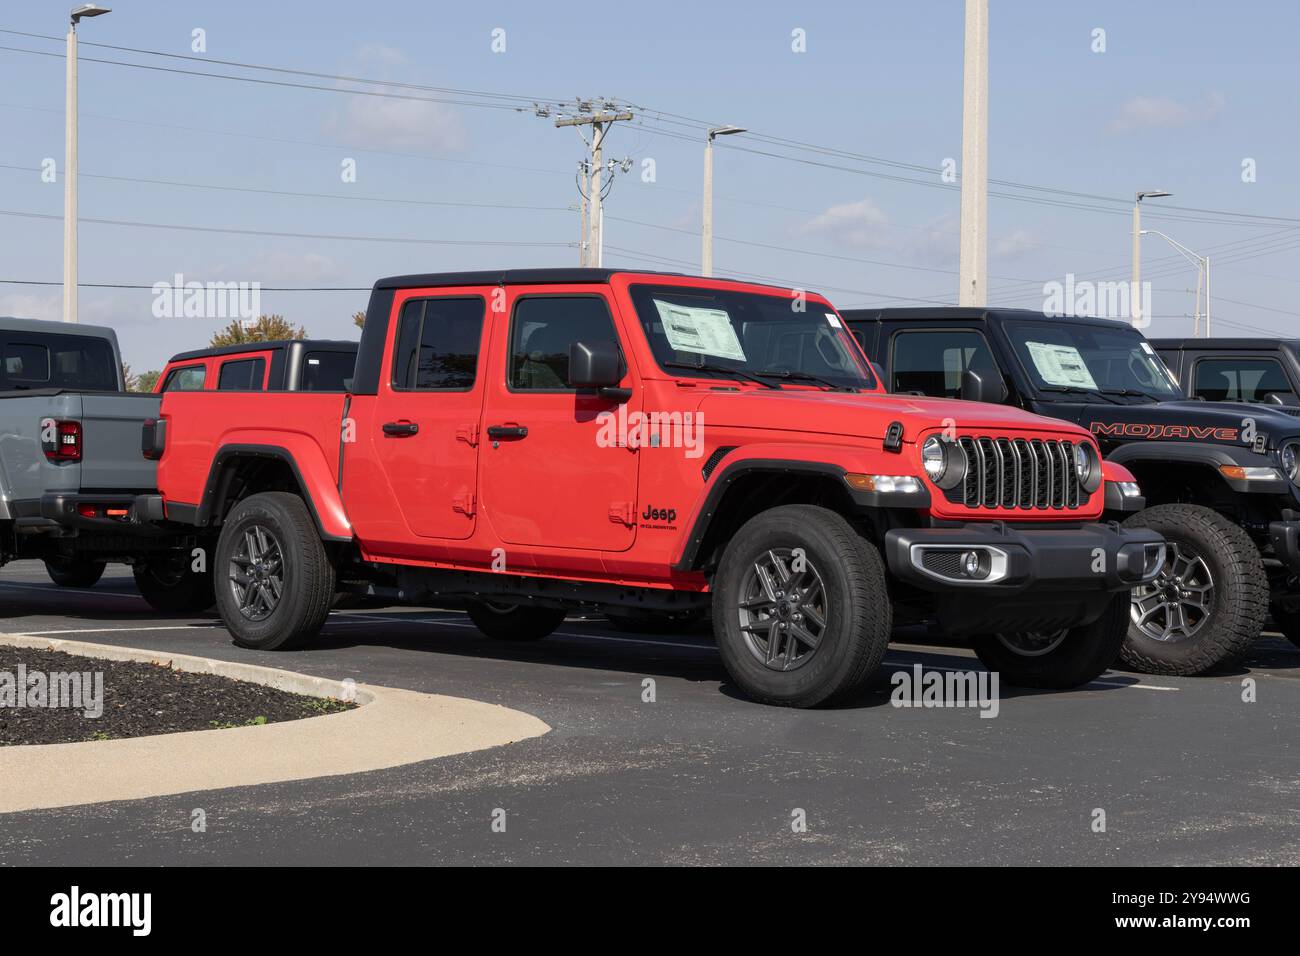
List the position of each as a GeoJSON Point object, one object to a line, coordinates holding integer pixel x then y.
{"type": "Point", "coordinates": [61, 439]}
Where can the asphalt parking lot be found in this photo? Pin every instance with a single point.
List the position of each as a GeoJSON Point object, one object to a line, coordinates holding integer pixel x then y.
{"type": "Point", "coordinates": [1185, 771]}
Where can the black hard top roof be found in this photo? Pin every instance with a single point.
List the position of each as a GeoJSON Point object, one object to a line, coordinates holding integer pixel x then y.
{"type": "Point", "coordinates": [537, 277]}
{"type": "Point", "coordinates": [966, 313]}
{"type": "Point", "coordinates": [328, 345]}
{"type": "Point", "coordinates": [1260, 344]}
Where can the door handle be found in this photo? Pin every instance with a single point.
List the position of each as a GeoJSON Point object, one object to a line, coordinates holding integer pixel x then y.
{"type": "Point", "coordinates": [401, 429]}
{"type": "Point", "coordinates": [507, 431]}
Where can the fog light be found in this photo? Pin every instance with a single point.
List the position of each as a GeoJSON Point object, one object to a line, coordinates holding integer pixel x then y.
{"type": "Point", "coordinates": [974, 564]}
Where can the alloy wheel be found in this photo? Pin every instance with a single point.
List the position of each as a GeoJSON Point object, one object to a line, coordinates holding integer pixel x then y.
{"type": "Point", "coordinates": [257, 573]}
{"type": "Point", "coordinates": [783, 609]}
{"type": "Point", "coordinates": [1177, 604]}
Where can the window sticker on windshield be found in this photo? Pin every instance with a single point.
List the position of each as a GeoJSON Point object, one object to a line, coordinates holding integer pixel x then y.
{"type": "Point", "coordinates": [698, 330]}
{"type": "Point", "coordinates": [1060, 365]}
{"type": "Point", "coordinates": [833, 319]}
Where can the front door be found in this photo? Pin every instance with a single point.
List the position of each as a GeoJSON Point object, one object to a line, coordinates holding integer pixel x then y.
{"type": "Point", "coordinates": [550, 474]}
{"type": "Point", "coordinates": [427, 411]}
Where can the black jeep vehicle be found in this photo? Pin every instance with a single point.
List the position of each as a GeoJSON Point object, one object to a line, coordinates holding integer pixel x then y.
{"type": "Point", "coordinates": [1219, 478]}
{"type": "Point", "coordinates": [1255, 371]}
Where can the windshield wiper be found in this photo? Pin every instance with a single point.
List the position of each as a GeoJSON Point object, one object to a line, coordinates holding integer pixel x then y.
{"type": "Point", "coordinates": [721, 370]}
{"type": "Point", "coordinates": [1076, 390]}
{"type": "Point", "coordinates": [1131, 391]}
{"type": "Point", "coordinates": [806, 377]}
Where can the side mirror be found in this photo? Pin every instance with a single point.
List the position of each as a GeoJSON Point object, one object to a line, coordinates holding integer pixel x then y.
{"type": "Point", "coordinates": [597, 365]}
{"type": "Point", "coordinates": [976, 388]}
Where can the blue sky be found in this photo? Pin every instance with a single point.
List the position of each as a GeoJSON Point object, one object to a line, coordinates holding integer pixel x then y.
{"type": "Point", "coordinates": [1183, 93]}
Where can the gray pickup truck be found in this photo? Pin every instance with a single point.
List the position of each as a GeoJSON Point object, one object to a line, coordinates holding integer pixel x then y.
{"type": "Point", "coordinates": [74, 480]}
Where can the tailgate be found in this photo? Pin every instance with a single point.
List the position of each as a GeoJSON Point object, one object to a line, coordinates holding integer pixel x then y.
{"type": "Point", "coordinates": [25, 474]}
{"type": "Point", "coordinates": [111, 458]}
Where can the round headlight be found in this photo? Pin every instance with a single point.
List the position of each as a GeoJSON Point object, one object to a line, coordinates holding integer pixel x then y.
{"type": "Point", "coordinates": [1087, 467]}
{"type": "Point", "coordinates": [933, 458]}
{"type": "Point", "coordinates": [1291, 460]}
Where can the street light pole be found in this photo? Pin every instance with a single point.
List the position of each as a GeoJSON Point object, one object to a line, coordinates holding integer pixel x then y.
{"type": "Point", "coordinates": [1135, 290]}
{"type": "Point", "coordinates": [1202, 264]}
{"type": "Point", "coordinates": [706, 230]}
{"type": "Point", "coordinates": [70, 164]}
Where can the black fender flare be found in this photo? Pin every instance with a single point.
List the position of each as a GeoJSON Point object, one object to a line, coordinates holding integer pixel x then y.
{"type": "Point", "coordinates": [1213, 456]}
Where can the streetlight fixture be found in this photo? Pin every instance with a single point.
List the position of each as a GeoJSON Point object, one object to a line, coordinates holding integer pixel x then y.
{"type": "Point", "coordinates": [706, 233]}
{"type": "Point", "coordinates": [1135, 291]}
{"type": "Point", "coordinates": [77, 14]}
{"type": "Point", "coordinates": [1202, 264]}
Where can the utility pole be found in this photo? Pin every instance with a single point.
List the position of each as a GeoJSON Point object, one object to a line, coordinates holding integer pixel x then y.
{"type": "Point", "coordinates": [1135, 291]}
{"type": "Point", "coordinates": [973, 259]}
{"type": "Point", "coordinates": [70, 164]}
{"type": "Point", "coordinates": [706, 230]}
{"type": "Point", "coordinates": [600, 123]}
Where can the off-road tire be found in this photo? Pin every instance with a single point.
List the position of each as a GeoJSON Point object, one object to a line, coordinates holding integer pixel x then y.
{"type": "Point", "coordinates": [857, 613]}
{"type": "Point", "coordinates": [308, 573]}
{"type": "Point", "coordinates": [1081, 657]}
{"type": "Point", "coordinates": [75, 573]}
{"type": "Point", "coordinates": [514, 622]}
{"type": "Point", "coordinates": [1241, 593]}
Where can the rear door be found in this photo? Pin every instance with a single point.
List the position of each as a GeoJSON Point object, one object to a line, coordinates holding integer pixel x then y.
{"type": "Point", "coordinates": [426, 418]}
{"type": "Point", "coordinates": [549, 478]}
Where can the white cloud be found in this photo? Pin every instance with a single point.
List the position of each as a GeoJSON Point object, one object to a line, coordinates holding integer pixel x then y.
{"type": "Point", "coordinates": [860, 224]}
{"type": "Point", "coordinates": [1014, 245]}
{"type": "Point", "coordinates": [395, 123]}
{"type": "Point", "coordinates": [1165, 112]}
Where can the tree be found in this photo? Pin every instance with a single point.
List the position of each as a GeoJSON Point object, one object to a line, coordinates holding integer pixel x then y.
{"type": "Point", "coordinates": [359, 319]}
{"type": "Point", "coordinates": [268, 328]}
{"type": "Point", "coordinates": [146, 381]}
{"type": "Point", "coordinates": [129, 381]}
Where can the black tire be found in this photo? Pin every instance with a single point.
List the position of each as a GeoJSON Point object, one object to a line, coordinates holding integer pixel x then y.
{"type": "Point", "coordinates": [514, 622]}
{"type": "Point", "coordinates": [265, 534]}
{"type": "Point", "coordinates": [1288, 622]}
{"type": "Point", "coordinates": [658, 622]}
{"type": "Point", "coordinates": [74, 573]}
{"type": "Point", "coordinates": [1061, 660]}
{"type": "Point", "coordinates": [1238, 603]}
{"type": "Point", "coordinates": [854, 608]}
{"type": "Point", "coordinates": [172, 585]}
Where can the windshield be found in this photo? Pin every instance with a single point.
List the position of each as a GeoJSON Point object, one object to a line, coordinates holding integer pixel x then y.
{"type": "Point", "coordinates": [1088, 358]}
{"type": "Point", "coordinates": [720, 333]}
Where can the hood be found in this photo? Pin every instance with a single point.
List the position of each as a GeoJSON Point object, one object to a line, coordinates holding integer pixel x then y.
{"type": "Point", "coordinates": [1224, 423]}
{"type": "Point", "coordinates": [867, 414]}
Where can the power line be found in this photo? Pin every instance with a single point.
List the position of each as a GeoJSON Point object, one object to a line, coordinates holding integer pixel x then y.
{"type": "Point", "coordinates": [292, 235]}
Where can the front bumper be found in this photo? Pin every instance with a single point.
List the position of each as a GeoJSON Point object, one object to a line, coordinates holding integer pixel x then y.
{"type": "Point", "coordinates": [1095, 557]}
{"type": "Point", "coordinates": [1027, 579]}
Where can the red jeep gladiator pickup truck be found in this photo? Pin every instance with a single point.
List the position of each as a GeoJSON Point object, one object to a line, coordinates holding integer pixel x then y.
{"type": "Point", "coordinates": [526, 442]}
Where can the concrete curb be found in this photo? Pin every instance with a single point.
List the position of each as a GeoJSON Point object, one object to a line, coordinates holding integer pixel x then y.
{"type": "Point", "coordinates": [391, 728]}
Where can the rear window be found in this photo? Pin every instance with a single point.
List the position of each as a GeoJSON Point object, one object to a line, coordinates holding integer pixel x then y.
{"type": "Point", "coordinates": [328, 371]}
{"type": "Point", "coordinates": [242, 375]}
{"type": "Point", "coordinates": [57, 361]}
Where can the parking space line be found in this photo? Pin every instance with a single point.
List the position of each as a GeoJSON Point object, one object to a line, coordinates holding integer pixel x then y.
{"type": "Point", "coordinates": [59, 590]}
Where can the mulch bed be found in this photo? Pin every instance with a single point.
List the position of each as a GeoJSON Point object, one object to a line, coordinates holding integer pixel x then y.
{"type": "Point", "coordinates": [138, 699]}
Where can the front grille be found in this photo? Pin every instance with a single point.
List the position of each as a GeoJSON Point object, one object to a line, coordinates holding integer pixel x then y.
{"type": "Point", "coordinates": [1018, 473]}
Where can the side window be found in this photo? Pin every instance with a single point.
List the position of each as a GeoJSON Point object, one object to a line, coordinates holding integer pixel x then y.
{"type": "Point", "coordinates": [932, 363]}
{"type": "Point", "coordinates": [242, 375]}
{"type": "Point", "coordinates": [328, 371]}
{"type": "Point", "coordinates": [541, 332]}
{"type": "Point", "coordinates": [438, 343]}
{"type": "Point", "coordinates": [186, 379]}
{"type": "Point", "coordinates": [1242, 380]}
{"type": "Point", "coordinates": [26, 364]}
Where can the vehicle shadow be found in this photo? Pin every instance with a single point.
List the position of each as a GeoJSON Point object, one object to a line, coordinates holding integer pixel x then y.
{"type": "Point", "coordinates": [593, 645]}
